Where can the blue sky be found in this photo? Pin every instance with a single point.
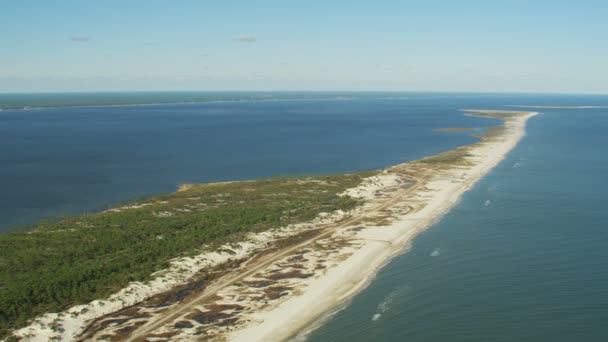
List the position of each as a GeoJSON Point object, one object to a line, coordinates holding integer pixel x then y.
{"type": "Point", "coordinates": [502, 46]}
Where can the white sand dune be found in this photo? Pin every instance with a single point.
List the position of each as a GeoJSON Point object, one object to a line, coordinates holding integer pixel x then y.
{"type": "Point", "coordinates": [340, 283]}
{"type": "Point", "coordinates": [343, 274]}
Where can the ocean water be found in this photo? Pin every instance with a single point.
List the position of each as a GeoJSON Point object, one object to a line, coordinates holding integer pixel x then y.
{"type": "Point", "coordinates": [71, 160]}
{"type": "Point", "coordinates": [34, 101]}
{"type": "Point", "coordinates": [523, 257]}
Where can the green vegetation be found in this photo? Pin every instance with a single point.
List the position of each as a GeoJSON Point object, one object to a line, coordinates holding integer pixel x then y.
{"type": "Point", "coordinates": [455, 129]}
{"type": "Point", "coordinates": [494, 131]}
{"type": "Point", "coordinates": [449, 157]}
{"type": "Point", "coordinates": [495, 114]}
{"type": "Point", "coordinates": [60, 264]}
{"type": "Point", "coordinates": [460, 154]}
{"type": "Point", "coordinates": [491, 133]}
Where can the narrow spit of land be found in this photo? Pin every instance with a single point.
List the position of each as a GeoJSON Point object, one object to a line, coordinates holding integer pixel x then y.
{"type": "Point", "coordinates": [455, 129]}
{"type": "Point", "coordinates": [75, 260]}
{"type": "Point", "coordinates": [271, 248]}
{"type": "Point", "coordinates": [557, 107]}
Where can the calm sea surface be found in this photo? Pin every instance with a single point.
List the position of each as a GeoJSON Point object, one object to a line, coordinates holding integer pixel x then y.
{"type": "Point", "coordinates": [523, 257]}
{"type": "Point", "coordinates": [57, 161]}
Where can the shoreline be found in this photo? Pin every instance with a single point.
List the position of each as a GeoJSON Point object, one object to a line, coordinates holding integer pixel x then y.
{"type": "Point", "coordinates": [234, 100]}
{"type": "Point", "coordinates": [280, 324]}
{"type": "Point", "coordinates": [266, 295]}
{"type": "Point", "coordinates": [556, 107]}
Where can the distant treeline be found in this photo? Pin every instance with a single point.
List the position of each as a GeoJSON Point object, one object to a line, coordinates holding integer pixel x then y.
{"type": "Point", "coordinates": [46, 100]}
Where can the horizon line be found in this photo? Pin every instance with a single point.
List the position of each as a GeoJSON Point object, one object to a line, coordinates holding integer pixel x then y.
{"type": "Point", "coordinates": [305, 91]}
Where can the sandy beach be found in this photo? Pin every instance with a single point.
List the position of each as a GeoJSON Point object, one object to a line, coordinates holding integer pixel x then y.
{"type": "Point", "coordinates": [275, 296]}
{"type": "Point", "coordinates": [379, 244]}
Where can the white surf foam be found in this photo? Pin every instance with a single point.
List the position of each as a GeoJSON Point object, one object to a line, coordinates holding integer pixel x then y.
{"type": "Point", "coordinates": [387, 302]}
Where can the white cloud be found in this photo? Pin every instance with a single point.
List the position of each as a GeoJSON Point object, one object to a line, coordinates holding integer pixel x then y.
{"type": "Point", "coordinates": [80, 39]}
{"type": "Point", "coordinates": [245, 39]}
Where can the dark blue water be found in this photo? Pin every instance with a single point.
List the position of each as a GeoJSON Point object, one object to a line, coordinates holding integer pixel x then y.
{"type": "Point", "coordinates": [530, 266]}
{"type": "Point", "coordinates": [58, 161]}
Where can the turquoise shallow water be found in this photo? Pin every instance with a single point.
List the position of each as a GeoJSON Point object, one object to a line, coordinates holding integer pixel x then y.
{"type": "Point", "coordinates": [523, 257]}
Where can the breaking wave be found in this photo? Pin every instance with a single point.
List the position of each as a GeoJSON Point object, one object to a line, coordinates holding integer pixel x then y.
{"type": "Point", "coordinates": [388, 301]}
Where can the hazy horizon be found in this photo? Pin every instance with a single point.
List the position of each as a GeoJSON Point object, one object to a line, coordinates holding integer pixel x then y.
{"type": "Point", "coordinates": [337, 91]}
{"type": "Point", "coordinates": [468, 46]}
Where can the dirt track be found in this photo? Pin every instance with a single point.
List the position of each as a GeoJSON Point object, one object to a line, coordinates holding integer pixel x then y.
{"type": "Point", "coordinates": [182, 308]}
